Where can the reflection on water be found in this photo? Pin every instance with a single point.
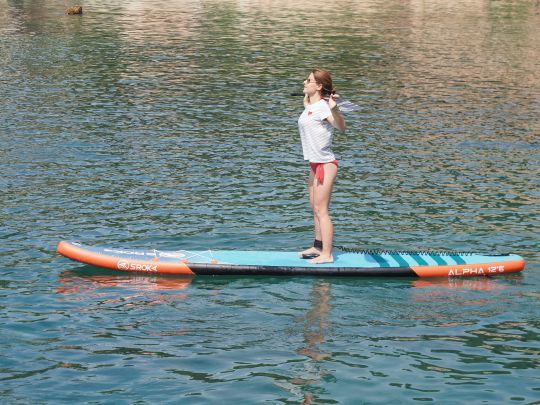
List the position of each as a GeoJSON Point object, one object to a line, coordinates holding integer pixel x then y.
{"type": "Point", "coordinates": [465, 284]}
{"type": "Point", "coordinates": [74, 282]}
{"type": "Point", "coordinates": [131, 289]}
{"type": "Point", "coordinates": [452, 301]}
{"type": "Point", "coordinates": [314, 323]}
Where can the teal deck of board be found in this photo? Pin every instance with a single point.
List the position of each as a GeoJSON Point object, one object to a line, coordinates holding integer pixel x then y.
{"type": "Point", "coordinates": [291, 259]}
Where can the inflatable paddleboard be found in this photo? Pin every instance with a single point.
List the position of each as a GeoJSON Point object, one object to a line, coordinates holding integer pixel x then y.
{"type": "Point", "coordinates": [346, 263]}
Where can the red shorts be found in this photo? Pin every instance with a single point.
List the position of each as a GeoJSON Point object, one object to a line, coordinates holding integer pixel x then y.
{"type": "Point", "coordinates": [318, 169]}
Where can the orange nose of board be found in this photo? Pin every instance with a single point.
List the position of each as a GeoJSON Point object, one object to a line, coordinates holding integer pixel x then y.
{"type": "Point", "coordinates": [110, 261]}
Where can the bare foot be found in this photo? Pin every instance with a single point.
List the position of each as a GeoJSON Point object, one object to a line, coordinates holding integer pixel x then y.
{"type": "Point", "coordinates": [310, 251]}
{"type": "Point", "coordinates": [322, 259]}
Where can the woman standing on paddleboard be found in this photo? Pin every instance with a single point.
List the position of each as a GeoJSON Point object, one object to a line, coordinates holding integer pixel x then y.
{"type": "Point", "coordinates": [316, 125]}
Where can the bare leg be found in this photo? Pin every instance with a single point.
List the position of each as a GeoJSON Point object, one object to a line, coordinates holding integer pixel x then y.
{"type": "Point", "coordinates": [320, 195]}
{"type": "Point", "coordinates": [317, 226]}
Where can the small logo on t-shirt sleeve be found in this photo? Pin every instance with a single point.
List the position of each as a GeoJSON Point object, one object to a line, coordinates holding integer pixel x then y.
{"type": "Point", "coordinates": [310, 113]}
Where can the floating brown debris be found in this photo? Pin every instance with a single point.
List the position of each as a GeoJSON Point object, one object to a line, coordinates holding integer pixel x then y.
{"type": "Point", "coordinates": [74, 10]}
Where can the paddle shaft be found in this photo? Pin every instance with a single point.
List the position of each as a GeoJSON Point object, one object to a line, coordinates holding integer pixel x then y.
{"type": "Point", "coordinates": [345, 106]}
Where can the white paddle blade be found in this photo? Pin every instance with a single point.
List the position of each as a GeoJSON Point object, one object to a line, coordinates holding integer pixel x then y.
{"type": "Point", "coordinates": [346, 106]}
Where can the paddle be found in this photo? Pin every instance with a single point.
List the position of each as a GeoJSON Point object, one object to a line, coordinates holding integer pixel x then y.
{"type": "Point", "coordinates": [345, 106]}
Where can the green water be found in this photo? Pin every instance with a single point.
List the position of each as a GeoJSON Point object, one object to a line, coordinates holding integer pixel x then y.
{"type": "Point", "coordinates": [169, 125]}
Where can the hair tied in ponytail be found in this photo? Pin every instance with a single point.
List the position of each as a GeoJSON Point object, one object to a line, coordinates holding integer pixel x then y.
{"type": "Point", "coordinates": [323, 77]}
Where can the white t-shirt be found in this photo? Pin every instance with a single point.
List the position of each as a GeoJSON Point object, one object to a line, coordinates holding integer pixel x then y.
{"type": "Point", "coordinates": [316, 133]}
